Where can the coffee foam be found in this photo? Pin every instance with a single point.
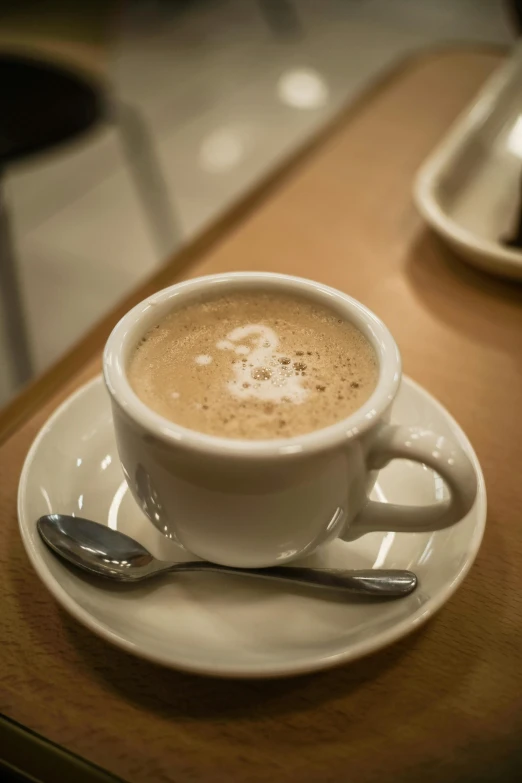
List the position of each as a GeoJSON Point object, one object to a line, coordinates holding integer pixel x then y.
{"type": "Point", "coordinates": [265, 375]}
{"type": "Point", "coordinates": [254, 366]}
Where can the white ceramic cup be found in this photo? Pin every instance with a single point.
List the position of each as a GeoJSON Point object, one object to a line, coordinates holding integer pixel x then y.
{"type": "Point", "coordinates": [260, 503]}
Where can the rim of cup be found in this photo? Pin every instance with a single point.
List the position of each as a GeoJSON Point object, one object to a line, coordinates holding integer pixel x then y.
{"type": "Point", "coordinates": [145, 315]}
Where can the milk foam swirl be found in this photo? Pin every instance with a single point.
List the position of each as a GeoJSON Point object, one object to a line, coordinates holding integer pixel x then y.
{"type": "Point", "coordinates": [262, 372]}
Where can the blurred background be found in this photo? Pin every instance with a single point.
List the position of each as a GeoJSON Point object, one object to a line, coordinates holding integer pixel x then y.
{"type": "Point", "coordinates": [175, 109]}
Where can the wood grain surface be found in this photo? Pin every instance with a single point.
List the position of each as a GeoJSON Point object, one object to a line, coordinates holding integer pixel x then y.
{"type": "Point", "coordinates": [444, 704]}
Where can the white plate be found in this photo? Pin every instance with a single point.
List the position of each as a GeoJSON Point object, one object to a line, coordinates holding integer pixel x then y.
{"type": "Point", "coordinates": [469, 188]}
{"type": "Point", "coordinates": [233, 626]}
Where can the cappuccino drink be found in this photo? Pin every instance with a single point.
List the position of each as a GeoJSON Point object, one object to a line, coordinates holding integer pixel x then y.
{"type": "Point", "coordinates": [254, 365]}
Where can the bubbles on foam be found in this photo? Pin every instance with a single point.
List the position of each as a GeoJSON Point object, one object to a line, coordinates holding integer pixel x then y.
{"type": "Point", "coordinates": [261, 374]}
{"type": "Point", "coordinates": [203, 358]}
{"type": "Point", "coordinates": [275, 380]}
{"type": "Point", "coordinates": [174, 395]}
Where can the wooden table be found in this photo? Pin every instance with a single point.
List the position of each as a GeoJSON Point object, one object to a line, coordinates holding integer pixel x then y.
{"type": "Point", "coordinates": [445, 704]}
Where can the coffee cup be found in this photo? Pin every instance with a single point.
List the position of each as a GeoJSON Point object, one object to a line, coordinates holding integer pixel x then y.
{"type": "Point", "coordinates": [258, 503]}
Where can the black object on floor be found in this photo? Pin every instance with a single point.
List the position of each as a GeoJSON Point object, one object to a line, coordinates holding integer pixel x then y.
{"type": "Point", "coordinates": [43, 105]}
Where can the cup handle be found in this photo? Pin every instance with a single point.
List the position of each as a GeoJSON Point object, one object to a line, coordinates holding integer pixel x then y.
{"type": "Point", "coordinates": [439, 453]}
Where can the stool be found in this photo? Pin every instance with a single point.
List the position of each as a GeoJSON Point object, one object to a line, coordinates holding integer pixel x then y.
{"type": "Point", "coordinates": [43, 105]}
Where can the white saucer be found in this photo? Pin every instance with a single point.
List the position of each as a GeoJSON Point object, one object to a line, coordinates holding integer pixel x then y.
{"type": "Point", "coordinates": [232, 626]}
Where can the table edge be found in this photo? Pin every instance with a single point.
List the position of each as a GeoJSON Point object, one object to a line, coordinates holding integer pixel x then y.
{"type": "Point", "coordinates": [48, 760]}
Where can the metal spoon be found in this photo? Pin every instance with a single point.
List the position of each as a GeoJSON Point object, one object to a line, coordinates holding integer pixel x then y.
{"type": "Point", "coordinates": [100, 550]}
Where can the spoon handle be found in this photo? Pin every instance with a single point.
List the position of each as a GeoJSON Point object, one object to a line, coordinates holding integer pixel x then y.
{"type": "Point", "coordinates": [379, 583]}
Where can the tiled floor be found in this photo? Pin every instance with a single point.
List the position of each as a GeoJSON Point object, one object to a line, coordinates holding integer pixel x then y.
{"type": "Point", "coordinates": [207, 76]}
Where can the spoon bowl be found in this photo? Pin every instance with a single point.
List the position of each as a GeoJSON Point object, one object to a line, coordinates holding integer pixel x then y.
{"type": "Point", "coordinates": [96, 548]}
